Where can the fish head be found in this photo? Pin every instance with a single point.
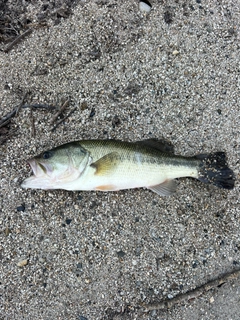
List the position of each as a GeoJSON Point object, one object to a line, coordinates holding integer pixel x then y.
{"type": "Point", "coordinates": [57, 168]}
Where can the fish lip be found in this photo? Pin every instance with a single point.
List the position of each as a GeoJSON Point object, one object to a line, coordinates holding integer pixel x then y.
{"type": "Point", "coordinates": [33, 165]}
{"type": "Point", "coordinates": [39, 169]}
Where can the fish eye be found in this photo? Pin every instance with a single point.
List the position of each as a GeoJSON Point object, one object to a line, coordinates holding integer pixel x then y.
{"type": "Point", "coordinates": [46, 155]}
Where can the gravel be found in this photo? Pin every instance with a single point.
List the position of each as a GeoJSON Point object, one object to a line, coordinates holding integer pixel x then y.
{"type": "Point", "coordinates": [173, 73]}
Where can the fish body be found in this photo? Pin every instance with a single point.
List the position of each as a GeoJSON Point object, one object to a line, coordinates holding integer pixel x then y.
{"type": "Point", "coordinates": [110, 165]}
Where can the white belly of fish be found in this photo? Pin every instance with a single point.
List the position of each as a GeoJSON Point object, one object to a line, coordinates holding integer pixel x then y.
{"type": "Point", "coordinates": [127, 177]}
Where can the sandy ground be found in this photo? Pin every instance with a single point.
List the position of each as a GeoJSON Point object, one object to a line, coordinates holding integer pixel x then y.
{"type": "Point", "coordinates": [93, 255]}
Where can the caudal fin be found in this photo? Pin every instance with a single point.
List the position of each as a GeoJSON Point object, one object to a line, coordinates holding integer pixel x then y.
{"type": "Point", "coordinates": [214, 170]}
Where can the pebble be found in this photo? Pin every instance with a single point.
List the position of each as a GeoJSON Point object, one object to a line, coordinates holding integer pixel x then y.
{"type": "Point", "coordinates": [7, 231]}
{"type": "Point", "coordinates": [121, 254]}
{"type": "Point", "coordinates": [175, 52]}
{"type": "Point", "coordinates": [21, 208]}
{"type": "Point", "coordinates": [134, 262]}
{"type": "Point", "coordinates": [68, 221]}
{"type": "Point", "coordinates": [22, 263]}
{"type": "Point", "coordinates": [145, 6]}
{"type": "Point", "coordinates": [92, 113]}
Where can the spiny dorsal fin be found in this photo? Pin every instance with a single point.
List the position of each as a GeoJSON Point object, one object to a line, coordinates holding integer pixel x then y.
{"type": "Point", "coordinates": [107, 164]}
{"type": "Point", "coordinates": [159, 144]}
{"type": "Point", "coordinates": [166, 188]}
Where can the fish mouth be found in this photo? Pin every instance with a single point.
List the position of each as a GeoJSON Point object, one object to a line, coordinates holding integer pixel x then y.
{"type": "Point", "coordinates": [41, 177]}
{"type": "Point", "coordinates": [40, 169]}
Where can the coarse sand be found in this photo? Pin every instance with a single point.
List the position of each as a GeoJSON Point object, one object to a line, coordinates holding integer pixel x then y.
{"type": "Point", "coordinates": [172, 73]}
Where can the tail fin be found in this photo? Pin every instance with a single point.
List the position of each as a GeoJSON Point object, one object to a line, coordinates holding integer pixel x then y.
{"type": "Point", "coordinates": [214, 170]}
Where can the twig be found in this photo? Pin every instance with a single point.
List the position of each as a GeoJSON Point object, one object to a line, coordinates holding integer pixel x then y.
{"type": "Point", "coordinates": [169, 303]}
{"type": "Point", "coordinates": [5, 136]}
{"type": "Point", "coordinates": [7, 117]}
{"type": "Point", "coordinates": [59, 122]}
{"type": "Point", "coordinates": [17, 39]}
{"type": "Point", "coordinates": [21, 103]}
{"type": "Point", "coordinates": [33, 124]}
{"type": "Point", "coordinates": [63, 107]}
{"type": "Point", "coordinates": [38, 106]}
{"type": "Point", "coordinates": [5, 123]}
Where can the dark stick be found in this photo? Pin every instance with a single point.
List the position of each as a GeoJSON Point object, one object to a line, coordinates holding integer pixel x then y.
{"type": "Point", "coordinates": [33, 124]}
{"type": "Point", "coordinates": [5, 120]}
{"type": "Point", "coordinates": [5, 123]}
{"type": "Point", "coordinates": [7, 117]}
{"type": "Point", "coordinates": [63, 107]}
{"type": "Point", "coordinates": [21, 103]}
{"type": "Point", "coordinates": [16, 40]}
{"type": "Point", "coordinates": [38, 106]}
{"type": "Point", "coordinates": [59, 122]}
{"type": "Point", "coordinates": [169, 303]}
{"type": "Point", "coordinates": [6, 136]}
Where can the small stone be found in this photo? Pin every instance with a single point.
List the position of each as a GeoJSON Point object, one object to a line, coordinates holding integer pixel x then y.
{"type": "Point", "coordinates": [21, 208]}
{"type": "Point", "coordinates": [7, 231]}
{"type": "Point", "coordinates": [134, 262]}
{"type": "Point", "coordinates": [68, 221]}
{"type": "Point", "coordinates": [121, 254]}
{"type": "Point", "coordinates": [115, 121]}
{"type": "Point", "coordinates": [87, 280]}
{"type": "Point", "coordinates": [92, 113]}
{"type": "Point", "coordinates": [211, 300]}
{"type": "Point", "coordinates": [7, 86]}
{"type": "Point", "coordinates": [84, 105]}
{"type": "Point", "coordinates": [195, 264]}
{"type": "Point", "coordinates": [175, 52]}
{"type": "Point", "coordinates": [22, 263]}
{"type": "Point", "coordinates": [168, 17]}
{"type": "Point", "coordinates": [145, 6]}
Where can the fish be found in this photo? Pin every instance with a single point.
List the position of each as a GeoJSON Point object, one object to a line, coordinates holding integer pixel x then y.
{"type": "Point", "coordinates": [111, 165]}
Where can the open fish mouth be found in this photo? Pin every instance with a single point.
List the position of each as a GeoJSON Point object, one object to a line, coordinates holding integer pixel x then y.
{"type": "Point", "coordinates": [40, 169]}
{"type": "Point", "coordinates": [41, 177]}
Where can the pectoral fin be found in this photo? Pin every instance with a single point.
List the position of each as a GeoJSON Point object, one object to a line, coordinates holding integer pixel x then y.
{"type": "Point", "coordinates": [107, 164]}
{"type": "Point", "coordinates": [166, 188]}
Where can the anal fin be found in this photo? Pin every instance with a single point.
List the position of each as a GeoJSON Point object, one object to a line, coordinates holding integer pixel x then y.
{"type": "Point", "coordinates": [167, 188]}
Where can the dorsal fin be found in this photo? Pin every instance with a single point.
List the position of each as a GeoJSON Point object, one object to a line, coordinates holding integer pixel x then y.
{"type": "Point", "coordinates": [159, 144]}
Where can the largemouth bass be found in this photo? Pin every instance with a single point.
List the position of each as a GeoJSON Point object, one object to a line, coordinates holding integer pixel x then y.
{"type": "Point", "coordinates": [110, 165]}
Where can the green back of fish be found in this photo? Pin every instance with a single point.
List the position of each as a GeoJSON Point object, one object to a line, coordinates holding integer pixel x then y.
{"type": "Point", "coordinates": [146, 152]}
